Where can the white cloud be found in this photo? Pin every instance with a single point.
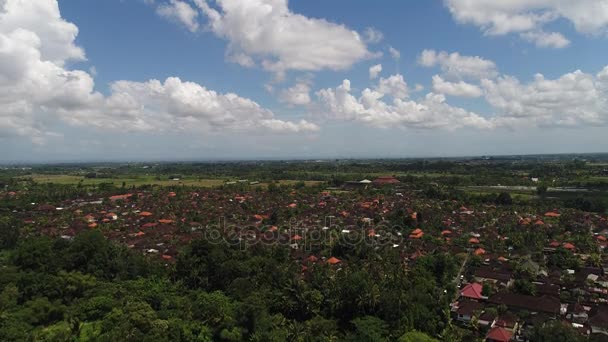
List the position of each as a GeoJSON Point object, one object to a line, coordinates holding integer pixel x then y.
{"type": "Point", "coordinates": [298, 95]}
{"type": "Point", "coordinates": [268, 32]}
{"type": "Point", "coordinates": [458, 67]}
{"type": "Point", "coordinates": [372, 35]}
{"type": "Point", "coordinates": [174, 104]}
{"type": "Point", "coordinates": [574, 99]}
{"type": "Point", "coordinates": [181, 12]}
{"type": "Point", "coordinates": [374, 71]}
{"type": "Point", "coordinates": [37, 91]}
{"type": "Point", "coordinates": [503, 17]}
{"type": "Point", "coordinates": [394, 52]}
{"type": "Point", "coordinates": [546, 39]}
{"type": "Point", "coordinates": [394, 86]}
{"type": "Point", "coordinates": [371, 109]}
{"type": "Point", "coordinates": [460, 88]}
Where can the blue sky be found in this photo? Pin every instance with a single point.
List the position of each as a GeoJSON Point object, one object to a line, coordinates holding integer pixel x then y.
{"type": "Point", "coordinates": [232, 79]}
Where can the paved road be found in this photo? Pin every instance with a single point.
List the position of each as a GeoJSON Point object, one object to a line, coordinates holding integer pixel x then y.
{"type": "Point", "coordinates": [464, 263]}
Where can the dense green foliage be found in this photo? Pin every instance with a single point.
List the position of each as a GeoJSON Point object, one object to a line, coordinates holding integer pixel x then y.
{"type": "Point", "coordinates": [89, 288]}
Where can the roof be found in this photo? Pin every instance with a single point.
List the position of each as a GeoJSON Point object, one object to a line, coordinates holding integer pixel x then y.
{"type": "Point", "coordinates": [472, 290]}
{"type": "Point", "coordinates": [545, 304]}
{"type": "Point", "coordinates": [468, 307]}
{"type": "Point", "coordinates": [333, 261]}
{"type": "Point", "coordinates": [499, 334]}
{"type": "Point", "coordinates": [488, 273]}
{"type": "Point", "coordinates": [386, 180]}
{"type": "Point", "coordinates": [600, 317]}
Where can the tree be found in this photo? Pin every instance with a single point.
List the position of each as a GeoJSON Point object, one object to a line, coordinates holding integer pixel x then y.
{"type": "Point", "coordinates": [416, 336]}
{"type": "Point", "coordinates": [541, 190]}
{"type": "Point", "coordinates": [504, 198]}
{"type": "Point", "coordinates": [555, 331]}
{"type": "Point", "coordinates": [9, 231]}
{"type": "Point", "coordinates": [369, 328]}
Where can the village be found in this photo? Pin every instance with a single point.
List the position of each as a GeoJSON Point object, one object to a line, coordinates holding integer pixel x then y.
{"type": "Point", "coordinates": [520, 266]}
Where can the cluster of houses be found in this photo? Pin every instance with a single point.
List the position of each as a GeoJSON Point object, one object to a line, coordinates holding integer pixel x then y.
{"type": "Point", "coordinates": [492, 300]}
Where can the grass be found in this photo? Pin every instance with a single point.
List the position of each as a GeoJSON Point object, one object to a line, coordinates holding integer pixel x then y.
{"type": "Point", "coordinates": [144, 180]}
{"type": "Point", "coordinates": [129, 181]}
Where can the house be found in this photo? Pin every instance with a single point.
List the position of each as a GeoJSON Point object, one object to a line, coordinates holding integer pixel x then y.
{"type": "Point", "coordinates": [465, 310]}
{"type": "Point", "coordinates": [500, 277]}
{"type": "Point", "coordinates": [599, 320]}
{"type": "Point", "coordinates": [385, 180]}
{"type": "Point", "coordinates": [472, 291]}
{"type": "Point", "coordinates": [532, 304]}
{"type": "Point", "coordinates": [499, 335]}
{"type": "Point", "coordinates": [577, 313]}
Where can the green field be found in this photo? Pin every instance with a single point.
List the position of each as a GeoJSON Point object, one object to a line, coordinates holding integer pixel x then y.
{"type": "Point", "coordinates": [144, 180]}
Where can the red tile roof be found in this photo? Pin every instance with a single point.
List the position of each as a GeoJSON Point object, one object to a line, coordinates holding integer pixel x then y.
{"type": "Point", "coordinates": [499, 335]}
{"type": "Point", "coordinates": [472, 290]}
{"type": "Point", "coordinates": [333, 261]}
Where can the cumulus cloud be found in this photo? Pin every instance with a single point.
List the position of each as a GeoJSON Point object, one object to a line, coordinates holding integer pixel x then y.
{"type": "Point", "coordinates": [36, 89]}
{"type": "Point", "coordinates": [460, 88]}
{"type": "Point", "coordinates": [395, 54]}
{"type": "Point", "coordinates": [374, 71]}
{"type": "Point", "coordinates": [181, 12]}
{"type": "Point", "coordinates": [394, 86]}
{"type": "Point", "coordinates": [546, 39]}
{"type": "Point", "coordinates": [268, 32]}
{"type": "Point", "coordinates": [297, 95]}
{"type": "Point", "coordinates": [455, 66]}
{"type": "Point", "coordinates": [372, 35]}
{"type": "Point", "coordinates": [372, 109]}
{"type": "Point", "coordinates": [503, 17]}
{"type": "Point", "coordinates": [574, 99]}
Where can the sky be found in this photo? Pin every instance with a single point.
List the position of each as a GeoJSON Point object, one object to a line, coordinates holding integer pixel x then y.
{"type": "Point", "coordinates": [133, 80]}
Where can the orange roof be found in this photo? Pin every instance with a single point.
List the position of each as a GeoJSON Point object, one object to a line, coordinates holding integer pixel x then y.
{"type": "Point", "coordinates": [480, 251]}
{"type": "Point", "coordinates": [149, 225]}
{"type": "Point", "coordinates": [165, 221]}
{"type": "Point", "coordinates": [312, 258]}
{"type": "Point", "coordinates": [473, 240]}
{"type": "Point", "coordinates": [140, 233]}
{"type": "Point", "coordinates": [172, 194]}
{"type": "Point", "coordinates": [539, 223]}
{"type": "Point", "coordinates": [258, 217]}
{"type": "Point", "coordinates": [472, 290]}
{"type": "Point", "coordinates": [417, 236]}
{"type": "Point", "coordinates": [502, 259]}
{"type": "Point", "coordinates": [554, 244]}
{"type": "Point", "coordinates": [333, 261]}
{"type": "Point", "coordinates": [499, 335]}
{"type": "Point", "coordinates": [416, 231]}
{"type": "Point", "coordinates": [552, 214]}
{"type": "Point", "coordinates": [446, 232]}
{"type": "Point", "coordinates": [93, 225]}
{"type": "Point", "coordinates": [145, 213]}
{"type": "Point", "coordinates": [273, 229]}
{"type": "Point", "coordinates": [568, 245]}
{"type": "Point", "coordinates": [371, 233]}
{"type": "Point", "coordinates": [167, 257]}
{"type": "Point", "coordinates": [296, 237]}
{"type": "Point", "coordinates": [120, 197]}
{"type": "Point", "coordinates": [292, 205]}
{"type": "Point", "coordinates": [601, 238]}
